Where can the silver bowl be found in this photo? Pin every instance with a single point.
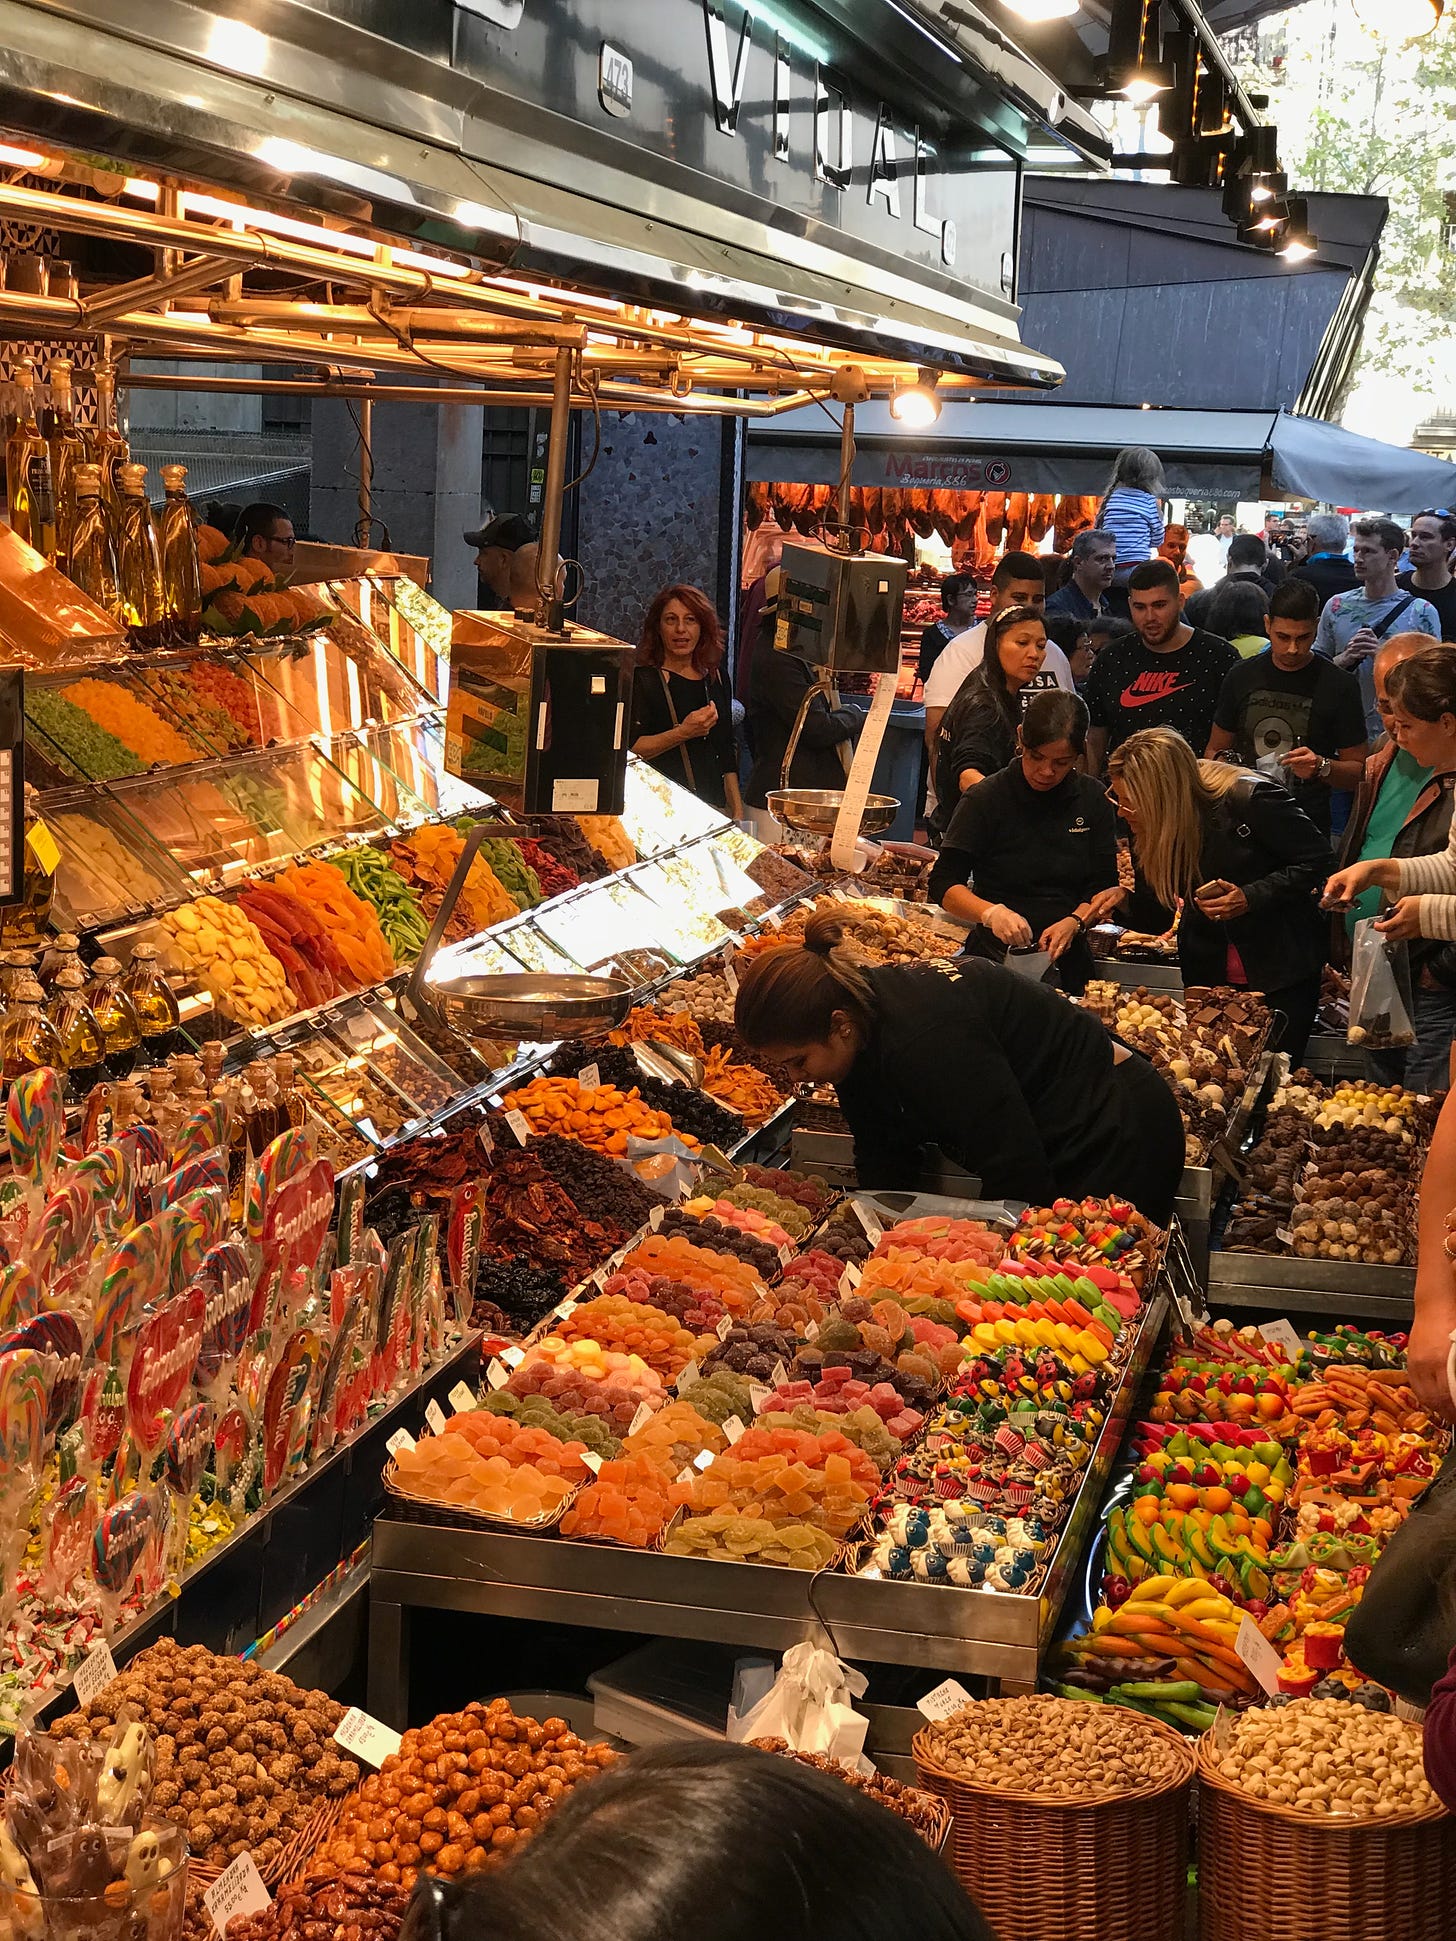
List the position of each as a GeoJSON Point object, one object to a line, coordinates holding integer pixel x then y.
{"type": "Point", "coordinates": [817, 810]}
{"type": "Point", "coordinates": [539, 1008]}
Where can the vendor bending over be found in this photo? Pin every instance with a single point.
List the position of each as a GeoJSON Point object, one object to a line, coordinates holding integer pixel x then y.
{"type": "Point", "coordinates": [1006, 1077]}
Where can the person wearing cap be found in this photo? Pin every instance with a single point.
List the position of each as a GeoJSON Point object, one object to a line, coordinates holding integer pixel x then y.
{"type": "Point", "coordinates": [495, 544]}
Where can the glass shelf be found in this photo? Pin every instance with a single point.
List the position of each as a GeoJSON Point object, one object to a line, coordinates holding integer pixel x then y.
{"type": "Point", "coordinates": [110, 870]}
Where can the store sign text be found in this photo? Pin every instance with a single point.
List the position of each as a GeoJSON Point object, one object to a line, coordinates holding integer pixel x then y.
{"type": "Point", "coordinates": [835, 123]}
{"type": "Point", "coordinates": [957, 474]}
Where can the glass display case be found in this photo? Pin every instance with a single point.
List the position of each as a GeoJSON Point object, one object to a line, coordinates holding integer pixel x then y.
{"type": "Point", "coordinates": [363, 758]}
{"type": "Point", "coordinates": [657, 814]}
{"type": "Point", "coordinates": [339, 680]}
{"type": "Point", "coordinates": [110, 870]}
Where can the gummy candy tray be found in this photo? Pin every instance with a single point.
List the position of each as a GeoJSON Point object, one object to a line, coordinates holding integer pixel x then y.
{"type": "Point", "coordinates": [429, 1509]}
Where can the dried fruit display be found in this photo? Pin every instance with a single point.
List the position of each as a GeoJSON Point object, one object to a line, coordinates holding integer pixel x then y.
{"type": "Point", "coordinates": [372, 877]}
{"type": "Point", "coordinates": [427, 857]}
{"type": "Point", "coordinates": [222, 948]}
{"type": "Point", "coordinates": [601, 1117]}
{"type": "Point", "coordinates": [299, 940]}
{"type": "Point", "coordinates": [352, 923]}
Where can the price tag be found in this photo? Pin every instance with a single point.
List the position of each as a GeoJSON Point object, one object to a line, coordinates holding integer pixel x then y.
{"type": "Point", "coordinates": [96, 1669]}
{"type": "Point", "coordinates": [703, 1458]}
{"type": "Point", "coordinates": [462, 1398]}
{"type": "Point", "coordinates": [688, 1376]}
{"type": "Point", "coordinates": [947, 1699]}
{"type": "Point", "coordinates": [786, 1254]}
{"type": "Point", "coordinates": [589, 1078]}
{"type": "Point", "coordinates": [518, 1125]}
{"type": "Point", "coordinates": [435, 1416]}
{"type": "Point", "coordinates": [1258, 1654]}
{"type": "Point", "coordinates": [733, 1429]}
{"type": "Point", "coordinates": [760, 1396]}
{"type": "Point", "coordinates": [563, 1309]}
{"type": "Point", "coordinates": [496, 1373]}
{"type": "Point", "coordinates": [44, 847]}
{"type": "Point", "coordinates": [780, 1374]}
{"type": "Point", "coordinates": [401, 1439]}
{"type": "Point", "coordinates": [811, 1331]}
{"type": "Point", "coordinates": [687, 1475]}
{"type": "Point", "coordinates": [773, 919]}
{"type": "Point", "coordinates": [1282, 1334]}
{"type": "Point", "coordinates": [487, 1144]}
{"type": "Point", "coordinates": [237, 1890]}
{"type": "Point", "coordinates": [513, 1357]}
{"type": "Point", "coordinates": [730, 978]}
{"type": "Point", "coordinates": [366, 1738]}
{"type": "Point", "coordinates": [592, 1460]}
{"type": "Point", "coordinates": [870, 1221]}
{"type": "Point", "coordinates": [656, 1217]}
{"type": "Point", "coordinates": [850, 1279]}
{"type": "Point", "coordinates": [643, 1416]}
{"type": "Point", "coordinates": [725, 1327]}
{"type": "Point", "coordinates": [1285, 1236]}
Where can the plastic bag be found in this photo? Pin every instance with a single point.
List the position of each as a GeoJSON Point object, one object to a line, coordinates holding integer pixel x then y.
{"type": "Point", "coordinates": [808, 1705]}
{"type": "Point", "coordinates": [1380, 991]}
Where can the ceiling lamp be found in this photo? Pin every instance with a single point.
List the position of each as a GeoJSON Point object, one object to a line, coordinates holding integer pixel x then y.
{"type": "Point", "coordinates": [1135, 65]}
{"type": "Point", "coordinates": [915, 405]}
{"type": "Point", "coordinates": [1295, 243]}
{"type": "Point", "coordinates": [1142, 83]}
{"type": "Point", "coordinates": [1037, 11]}
{"type": "Point", "coordinates": [1401, 21]}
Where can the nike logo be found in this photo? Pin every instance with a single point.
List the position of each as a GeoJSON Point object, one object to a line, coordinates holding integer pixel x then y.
{"type": "Point", "coordinates": [1152, 687]}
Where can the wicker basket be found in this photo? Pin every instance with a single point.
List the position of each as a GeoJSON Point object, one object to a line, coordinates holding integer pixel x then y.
{"type": "Point", "coordinates": [1267, 1872]}
{"type": "Point", "coordinates": [1102, 1867]}
{"type": "Point", "coordinates": [429, 1509]}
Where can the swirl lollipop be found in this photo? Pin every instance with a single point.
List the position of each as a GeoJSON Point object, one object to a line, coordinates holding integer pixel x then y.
{"type": "Point", "coordinates": [60, 1242]}
{"type": "Point", "coordinates": [19, 1293]}
{"type": "Point", "coordinates": [150, 1161]}
{"type": "Point", "coordinates": [203, 1131]}
{"type": "Point", "coordinates": [290, 1154]}
{"type": "Point", "coordinates": [192, 1176]}
{"type": "Point", "coordinates": [133, 1277]}
{"type": "Point", "coordinates": [345, 1320]}
{"type": "Point", "coordinates": [181, 1237]}
{"type": "Point", "coordinates": [35, 1124]}
{"type": "Point", "coordinates": [207, 1207]}
{"type": "Point", "coordinates": [23, 1387]}
{"type": "Point", "coordinates": [57, 1338]}
{"type": "Point", "coordinates": [111, 1169]}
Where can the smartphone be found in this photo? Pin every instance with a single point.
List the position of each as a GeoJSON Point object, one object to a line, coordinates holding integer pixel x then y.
{"type": "Point", "coordinates": [1218, 887]}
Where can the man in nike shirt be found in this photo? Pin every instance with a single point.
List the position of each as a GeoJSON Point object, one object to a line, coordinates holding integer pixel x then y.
{"type": "Point", "coordinates": [1167, 675]}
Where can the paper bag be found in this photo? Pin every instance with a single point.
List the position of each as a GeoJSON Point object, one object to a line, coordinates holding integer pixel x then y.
{"type": "Point", "coordinates": [808, 1705]}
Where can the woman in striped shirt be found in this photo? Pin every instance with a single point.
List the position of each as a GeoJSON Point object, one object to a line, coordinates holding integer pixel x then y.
{"type": "Point", "coordinates": [1132, 509]}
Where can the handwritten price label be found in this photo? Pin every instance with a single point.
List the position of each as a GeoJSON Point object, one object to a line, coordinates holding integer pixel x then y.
{"type": "Point", "coordinates": [401, 1439]}
{"type": "Point", "coordinates": [366, 1738]}
{"type": "Point", "coordinates": [462, 1398]}
{"type": "Point", "coordinates": [641, 1418]}
{"type": "Point", "coordinates": [518, 1125]}
{"type": "Point", "coordinates": [435, 1416]}
{"type": "Point", "coordinates": [946, 1700]}
{"type": "Point", "coordinates": [592, 1461]}
{"type": "Point", "coordinates": [733, 1429]}
{"type": "Point", "coordinates": [95, 1671]}
{"type": "Point", "coordinates": [1258, 1654]}
{"type": "Point", "coordinates": [589, 1078]}
{"type": "Point", "coordinates": [237, 1890]}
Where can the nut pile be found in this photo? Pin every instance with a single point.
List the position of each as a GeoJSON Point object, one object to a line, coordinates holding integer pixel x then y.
{"type": "Point", "coordinates": [460, 1793]}
{"type": "Point", "coordinates": [923, 1810]}
{"type": "Point", "coordinates": [1054, 1746]}
{"type": "Point", "coordinates": [354, 1909]}
{"type": "Point", "coordinates": [244, 1756]}
{"type": "Point", "coordinates": [1330, 1758]}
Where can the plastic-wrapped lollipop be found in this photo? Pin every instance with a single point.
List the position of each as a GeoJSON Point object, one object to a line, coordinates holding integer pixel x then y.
{"type": "Point", "coordinates": [35, 1124]}
{"type": "Point", "coordinates": [189, 1441]}
{"type": "Point", "coordinates": [110, 1167]}
{"type": "Point", "coordinates": [235, 1457]}
{"type": "Point", "coordinates": [150, 1162]}
{"type": "Point", "coordinates": [167, 1346]}
{"type": "Point", "coordinates": [24, 1392]}
{"type": "Point", "coordinates": [288, 1407]}
{"type": "Point", "coordinates": [70, 1526]}
{"type": "Point", "coordinates": [123, 1533]}
{"type": "Point", "coordinates": [133, 1277]}
{"type": "Point", "coordinates": [226, 1280]}
{"type": "Point", "coordinates": [57, 1337]}
{"type": "Point", "coordinates": [61, 1246]}
{"type": "Point", "coordinates": [290, 1154]}
{"type": "Point", "coordinates": [20, 1292]}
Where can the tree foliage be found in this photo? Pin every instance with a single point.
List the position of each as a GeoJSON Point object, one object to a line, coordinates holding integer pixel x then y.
{"type": "Point", "coordinates": [1358, 115]}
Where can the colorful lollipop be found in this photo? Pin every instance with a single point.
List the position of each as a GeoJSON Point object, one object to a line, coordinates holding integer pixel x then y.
{"type": "Point", "coordinates": [111, 1169]}
{"type": "Point", "coordinates": [235, 1455]}
{"type": "Point", "coordinates": [57, 1338]}
{"type": "Point", "coordinates": [204, 1131]}
{"type": "Point", "coordinates": [19, 1293]}
{"type": "Point", "coordinates": [189, 1442]}
{"type": "Point", "coordinates": [35, 1124]}
{"type": "Point", "coordinates": [226, 1281]}
{"type": "Point", "coordinates": [290, 1154]}
{"type": "Point", "coordinates": [162, 1366]}
{"type": "Point", "coordinates": [103, 1415]}
{"type": "Point", "coordinates": [70, 1526]}
{"type": "Point", "coordinates": [122, 1535]}
{"type": "Point", "coordinates": [150, 1161]}
{"type": "Point", "coordinates": [23, 1386]}
{"type": "Point", "coordinates": [134, 1276]}
{"type": "Point", "coordinates": [288, 1407]}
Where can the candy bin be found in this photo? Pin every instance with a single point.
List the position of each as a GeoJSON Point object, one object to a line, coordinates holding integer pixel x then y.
{"type": "Point", "coordinates": [81, 1855]}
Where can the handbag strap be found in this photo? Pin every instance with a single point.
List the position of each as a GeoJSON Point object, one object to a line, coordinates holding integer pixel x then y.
{"type": "Point", "coordinates": [672, 713]}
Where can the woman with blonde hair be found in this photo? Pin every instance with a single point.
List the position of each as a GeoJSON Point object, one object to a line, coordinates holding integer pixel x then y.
{"type": "Point", "coordinates": [1246, 864]}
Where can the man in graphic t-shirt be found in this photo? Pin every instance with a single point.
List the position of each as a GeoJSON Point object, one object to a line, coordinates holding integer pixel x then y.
{"type": "Point", "coordinates": [1353, 625]}
{"type": "Point", "coordinates": [1290, 713]}
{"type": "Point", "coordinates": [1167, 675]}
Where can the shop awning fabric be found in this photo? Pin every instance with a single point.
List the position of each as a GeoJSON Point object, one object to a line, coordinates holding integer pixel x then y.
{"type": "Point", "coordinates": [1049, 447]}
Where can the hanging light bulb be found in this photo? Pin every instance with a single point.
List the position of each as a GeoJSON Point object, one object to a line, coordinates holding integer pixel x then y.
{"type": "Point", "coordinates": [1400, 21]}
{"type": "Point", "coordinates": [1039, 10]}
{"type": "Point", "coordinates": [915, 405]}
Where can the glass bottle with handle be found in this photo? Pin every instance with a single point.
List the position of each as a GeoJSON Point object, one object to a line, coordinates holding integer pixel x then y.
{"type": "Point", "coordinates": [181, 574]}
{"type": "Point", "coordinates": [68, 452]}
{"type": "Point", "coordinates": [90, 560]}
{"type": "Point", "coordinates": [28, 469]}
{"type": "Point", "coordinates": [138, 557]}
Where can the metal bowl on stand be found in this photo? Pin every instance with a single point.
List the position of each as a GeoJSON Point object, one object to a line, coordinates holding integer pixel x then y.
{"type": "Point", "coordinates": [815, 811]}
{"type": "Point", "coordinates": [542, 1009]}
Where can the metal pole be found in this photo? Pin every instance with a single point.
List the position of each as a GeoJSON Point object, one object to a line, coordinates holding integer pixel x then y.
{"type": "Point", "coordinates": [548, 602]}
{"type": "Point", "coordinates": [843, 542]}
{"type": "Point", "coordinates": [364, 526]}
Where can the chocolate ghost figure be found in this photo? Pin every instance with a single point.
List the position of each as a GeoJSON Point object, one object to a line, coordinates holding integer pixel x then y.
{"type": "Point", "coordinates": [14, 1868]}
{"type": "Point", "coordinates": [78, 1866]}
{"type": "Point", "coordinates": [144, 1862]}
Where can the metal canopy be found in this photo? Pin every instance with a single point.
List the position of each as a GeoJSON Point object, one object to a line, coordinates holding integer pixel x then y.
{"type": "Point", "coordinates": [299, 110]}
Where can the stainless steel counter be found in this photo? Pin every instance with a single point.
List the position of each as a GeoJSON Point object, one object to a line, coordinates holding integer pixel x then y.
{"type": "Point", "coordinates": [552, 1580]}
{"type": "Point", "coordinates": [1289, 1284]}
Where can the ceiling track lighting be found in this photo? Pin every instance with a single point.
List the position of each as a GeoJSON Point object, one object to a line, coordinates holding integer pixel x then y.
{"type": "Point", "coordinates": [916, 405]}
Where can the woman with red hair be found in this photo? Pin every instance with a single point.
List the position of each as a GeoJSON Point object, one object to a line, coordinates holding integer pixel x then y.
{"type": "Point", "coordinates": [682, 711]}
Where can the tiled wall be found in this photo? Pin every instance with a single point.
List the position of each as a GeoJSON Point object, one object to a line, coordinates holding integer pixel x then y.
{"type": "Point", "coordinates": [649, 515]}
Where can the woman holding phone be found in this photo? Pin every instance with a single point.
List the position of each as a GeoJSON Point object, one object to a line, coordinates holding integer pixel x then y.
{"type": "Point", "coordinates": [1244, 860]}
